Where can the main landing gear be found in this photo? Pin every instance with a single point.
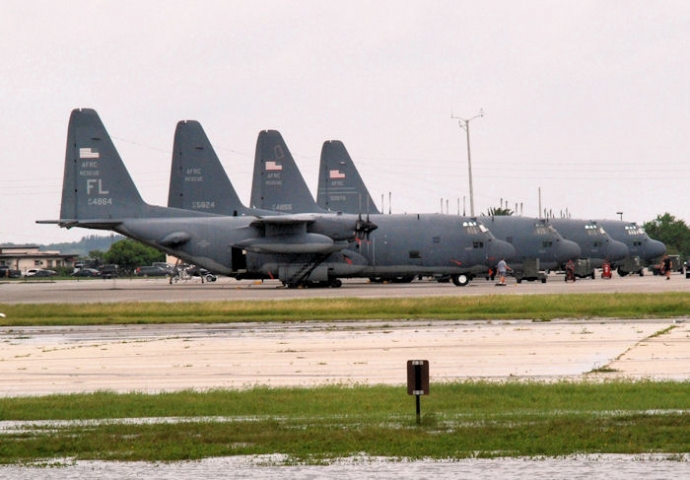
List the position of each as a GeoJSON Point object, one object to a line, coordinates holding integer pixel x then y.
{"type": "Point", "coordinates": [461, 280]}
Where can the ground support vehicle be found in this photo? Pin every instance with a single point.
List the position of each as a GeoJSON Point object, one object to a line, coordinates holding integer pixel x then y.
{"type": "Point", "coordinates": [584, 269]}
{"type": "Point", "coordinates": [630, 265]}
{"type": "Point", "coordinates": [530, 271]}
{"type": "Point", "coordinates": [676, 266]}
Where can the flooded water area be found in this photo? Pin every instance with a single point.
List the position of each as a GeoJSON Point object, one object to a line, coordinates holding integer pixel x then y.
{"type": "Point", "coordinates": [610, 467]}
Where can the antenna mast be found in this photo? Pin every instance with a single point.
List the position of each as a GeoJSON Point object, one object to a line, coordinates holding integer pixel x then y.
{"type": "Point", "coordinates": [465, 125]}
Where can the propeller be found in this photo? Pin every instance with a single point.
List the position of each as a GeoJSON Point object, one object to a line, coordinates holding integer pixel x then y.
{"type": "Point", "coordinates": [363, 228]}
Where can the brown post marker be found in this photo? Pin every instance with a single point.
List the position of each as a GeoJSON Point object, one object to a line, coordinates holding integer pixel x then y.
{"type": "Point", "coordinates": [418, 381]}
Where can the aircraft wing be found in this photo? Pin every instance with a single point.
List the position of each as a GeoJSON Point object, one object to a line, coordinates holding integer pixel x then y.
{"type": "Point", "coordinates": [300, 233]}
{"type": "Point", "coordinates": [295, 219]}
{"type": "Point", "coordinates": [298, 243]}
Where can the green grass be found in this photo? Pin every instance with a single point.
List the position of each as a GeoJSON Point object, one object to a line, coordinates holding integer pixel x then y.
{"type": "Point", "coordinates": [458, 420]}
{"type": "Point", "coordinates": [489, 307]}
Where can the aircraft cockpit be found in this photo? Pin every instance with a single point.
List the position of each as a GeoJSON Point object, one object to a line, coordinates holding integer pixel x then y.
{"type": "Point", "coordinates": [595, 230]}
{"type": "Point", "coordinates": [634, 229]}
{"type": "Point", "coordinates": [474, 227]}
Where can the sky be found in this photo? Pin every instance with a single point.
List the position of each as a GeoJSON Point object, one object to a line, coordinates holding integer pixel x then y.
{"type": "Point", "coordinates": [586, 105]}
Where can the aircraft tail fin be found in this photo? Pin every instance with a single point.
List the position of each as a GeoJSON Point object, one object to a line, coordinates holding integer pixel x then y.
{"type": "Point", "coordinates": [97, 187]}
{"type": "Point", "coordinates": [278, 184]}
{"type": "Point", "coordinates": [198, 181]}
{"type": "Point", "coordinates": [341, 188]}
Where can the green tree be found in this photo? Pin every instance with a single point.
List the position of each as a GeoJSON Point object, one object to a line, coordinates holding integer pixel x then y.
{"type": "Point", "coordinates": [674, 233]}
{"type": "Point", "coordinates": [97, 255]}
{"type": "Point", "coordinates": [499, 212]}
{"type": "Point", "coordinates": [129, 254]}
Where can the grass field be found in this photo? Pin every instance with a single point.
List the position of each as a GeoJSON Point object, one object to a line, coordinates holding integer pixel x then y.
{"type": "Point", "coordinates": [472, 419]}
{"type": "Point", "coordinates": [312, 425]}
{"type": "Point", "coordinates": [489, 307]}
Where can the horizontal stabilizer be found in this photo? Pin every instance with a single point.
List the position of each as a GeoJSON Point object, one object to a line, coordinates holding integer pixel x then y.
{"type": "Point", "coordinates": [98, 224]}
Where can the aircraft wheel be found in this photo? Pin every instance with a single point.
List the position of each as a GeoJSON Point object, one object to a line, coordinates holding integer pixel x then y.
{"type": "Point", "coordinates": [518, 280]}
{"type": "Point", "coordinates": [406, 279]}
{"type": "Point", "coordinates": [543, 280]}
{"type": "Point", "coordinates": [337, 283]}
{"type": "Point", "coordinates": [461, 280]}
{"type": "Point", "coordinates": [621, 272]}
{"type": "Point", "coordinates": [210, 278]}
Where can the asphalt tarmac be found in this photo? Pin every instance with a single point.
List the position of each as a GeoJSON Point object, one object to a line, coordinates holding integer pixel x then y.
{"type": "Point", "coordinates": [159, 289]}
{"type": "Point", "coordinates": [155, 358]}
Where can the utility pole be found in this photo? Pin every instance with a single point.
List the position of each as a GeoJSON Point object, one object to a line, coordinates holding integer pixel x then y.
{"type": "Point", "coordinates": [465, 125]}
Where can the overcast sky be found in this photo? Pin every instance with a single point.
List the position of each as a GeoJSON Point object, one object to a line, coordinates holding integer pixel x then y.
{"type": "Point", "coordinates": [588, 101]}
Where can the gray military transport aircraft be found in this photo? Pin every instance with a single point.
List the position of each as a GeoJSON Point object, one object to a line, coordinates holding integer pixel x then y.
{"type": "Point", "coordinates": [402, 247]}
{"type": "Point", "coordinates": [98, 193]}
{"type": "Point", "coordinates": [642, 250]}
{"type": "Point", "coordinates": [596, 245]}
{"type": "Point", "coordinates": [538, 245]}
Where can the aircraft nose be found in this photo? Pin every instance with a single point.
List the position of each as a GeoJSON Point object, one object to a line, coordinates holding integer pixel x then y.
{"type": "Point", "coordinates": [617, 251]}
{"type": "Point", "coordinates": [568, 250]}
{"type": "Point", "coordinates": [654, 249]}
{"type": "Point", "coordinates": [501, 249]}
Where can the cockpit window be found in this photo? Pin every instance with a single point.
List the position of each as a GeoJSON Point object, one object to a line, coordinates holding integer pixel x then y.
{"type": "Point", "coordinates": [634, 229]}
{"type": "Point", "coordinates": [594, 230]}
{"type": "Point", "coordinates": [543, 230]}
{"type": "Point", "coordinates": [474, 227]}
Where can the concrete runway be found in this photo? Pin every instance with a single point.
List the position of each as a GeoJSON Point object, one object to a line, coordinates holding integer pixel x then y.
{"type": "Point", "coordinates": [158, 289]}
{"type": "Point", "coordinates": [153, 358]}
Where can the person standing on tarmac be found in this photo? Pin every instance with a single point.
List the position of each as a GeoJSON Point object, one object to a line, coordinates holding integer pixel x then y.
{"type": "Point", "coordinates": [502, 267]}
{"type": "Point", "coordinates": [667, 266]}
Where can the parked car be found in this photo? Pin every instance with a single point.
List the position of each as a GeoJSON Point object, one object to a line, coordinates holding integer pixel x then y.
{"type": "Point", "coordinates": [150, 271]}
{"type": "Point", "coordinates": [7, 272]}
{"type": "Point", "coordinates": [205, 275]}
{"type": "Point", "coordinates": [109, 271]}
{"type": "Point", "coordinates": [86, 272]}
{"type": "Point", "coordinates": [169, 269]}
{"type": "Point", "coordinates": [39, 272]}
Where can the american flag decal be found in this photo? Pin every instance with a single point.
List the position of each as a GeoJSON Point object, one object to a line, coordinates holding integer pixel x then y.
{"type": "Point", "coordinates": [88, 152]}
{"type": "Point", "coordinates": [336, 174]}
{"type": "Point", "coordinates": [273, 166]}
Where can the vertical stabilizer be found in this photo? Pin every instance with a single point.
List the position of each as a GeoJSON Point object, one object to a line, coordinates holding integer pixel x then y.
{"type": "Point", "coordinates": [341, 188]}
{"type": "Point", "coordinates": [278, 184]}
{"type": "Point", "coordinates": [96, 184]}
{"type": "Point", "coordinates": [197, 179]}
